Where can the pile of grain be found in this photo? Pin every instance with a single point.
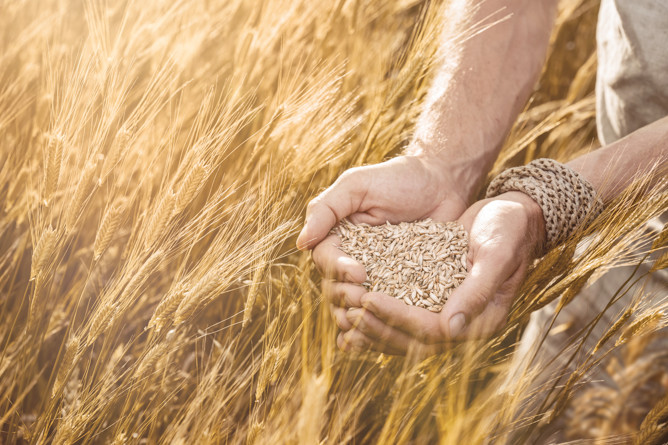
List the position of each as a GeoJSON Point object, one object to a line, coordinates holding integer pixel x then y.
{"type": "Point", "coordinates": [420, 263]}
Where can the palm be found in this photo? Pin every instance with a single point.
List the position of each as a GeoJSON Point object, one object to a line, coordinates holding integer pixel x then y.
{"type": "Point", "coordinates": [502, 240]}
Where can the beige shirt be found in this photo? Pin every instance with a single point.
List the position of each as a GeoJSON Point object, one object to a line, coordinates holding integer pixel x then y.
{"type": "Point", "coordinates": [632, 78]}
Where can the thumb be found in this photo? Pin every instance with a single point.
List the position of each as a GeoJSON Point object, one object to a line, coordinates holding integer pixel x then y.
{"type": "Point", "coordinates": [341, 199]}
{"type": "Point", "coordinates": [489, 271]}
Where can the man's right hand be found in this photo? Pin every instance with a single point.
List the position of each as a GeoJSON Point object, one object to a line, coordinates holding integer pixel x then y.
{"type": "Point", "coordinates": [405, 188]}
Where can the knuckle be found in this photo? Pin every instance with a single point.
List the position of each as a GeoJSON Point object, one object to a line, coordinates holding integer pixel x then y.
{"type": "Point", "coordinates": [432, 336]}
{"type": "Point", "coordinates": [362, 323]}
{"type": "Point", "coordinates": [316, 256]}
{"type": "Point", "coordinates": [336, 296]}
{"type": "Point", "coordinates": [352, 174]}
{"type": "Point", "coordinates": [477, 300]}
{"type": "Point", "coordinates": [385, 334]}
{"type": "Point", "coordinates": [349, 301]}
{"type": "Point", "coordinates": [312, 205]}
{"type": "Point", "coordinates": [326, 287]}
{"type": "Point", "coordinates": [348, 174]}
{"type": "Point", "coordinates": [341, 323]}
{"type": "Point", "coordinates": [350, 296]}
{"type": "Point", "coordinates": [480, 298]}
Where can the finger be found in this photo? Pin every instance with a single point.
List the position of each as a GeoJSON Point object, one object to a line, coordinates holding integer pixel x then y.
{"type": "Point", "coordinates": [367, 323]}
{"type": "Point", "coordinates": [365, 218]}
{"type": "Point", "coordinates": [414, 321]}
{"type": "Point", "coordinates": [342, 294]}
{"type": "Point", "coordinates": [354, 340]}
{"type": "Point", "coordinates": [495, 315]}
{"type": "Point", "coordinates": [488, 323]}
{"type": "Point", "coordinates": [333, 263]}
{"type": "Point", "coordinates": [323, 212]}
{"type": "Point", "coordinates": [340, 319]}
{"type": "Point", "coordinates": [490, 269]}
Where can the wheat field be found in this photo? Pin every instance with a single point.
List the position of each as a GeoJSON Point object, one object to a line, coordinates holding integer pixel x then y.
{"type": "Point", "coordinates": [156, 160]}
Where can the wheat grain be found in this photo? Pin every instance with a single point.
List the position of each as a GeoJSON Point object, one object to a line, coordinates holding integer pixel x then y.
{"type": "Point", "coordinates": [574, 288]}
{"type": "Point", "coordinates": [640, 327]}
{"type": "Point", "coordinates": [199, 293]}
{"type": "Point", "coordinates": [420, 263]}
{"type": "Point", "coordinates": [660, 263]}
{"type": "Point", "coordinates": [166, 308]}
{"type": "Point", "coordinates": [107, 230]}
{"type": "Point", "coordinates": [54, 161]}
{"type": "Point", "coordinates": [161, 218]}
{"type": "Point", "coordinates": [69, 358]}
{"type": "Point", "coordinates": [102, 319]}
{"type": "Point", "coordinates": [43, 251]}
{"type": "Point", "coordinates": [653, 422]}
{"type": "Point", "coordinates": [662, 238]}
{"type": "Point", "coordinates": [613, 329]}
{"type": "Point", "coordinates": [189, 187]}
{"type": "Point", "coordinates": [142, 274]}
{"type": "Point", "coordinates": [252, 296]}
{"type": "Point", "coordinates": [148, 362]}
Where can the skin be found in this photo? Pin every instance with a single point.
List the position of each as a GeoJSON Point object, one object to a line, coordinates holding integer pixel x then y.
{"type": "Point", "coordinates": [476, 96]}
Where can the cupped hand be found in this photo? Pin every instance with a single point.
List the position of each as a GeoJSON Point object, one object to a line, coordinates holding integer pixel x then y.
{"type": "Point", "coordinates": [505, 234]}
{"type": "Point", "coordinates": [405, 188]}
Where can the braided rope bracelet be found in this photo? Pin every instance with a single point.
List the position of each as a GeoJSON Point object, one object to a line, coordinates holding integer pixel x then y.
{"type": "Point", "coordinates": [567, 199]}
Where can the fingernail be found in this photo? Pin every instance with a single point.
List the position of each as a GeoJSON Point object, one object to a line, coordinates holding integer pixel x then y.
{"type": "Point", "coordinates": [353, 314]}
{"type": "Point", "coordinates": [457, 323]}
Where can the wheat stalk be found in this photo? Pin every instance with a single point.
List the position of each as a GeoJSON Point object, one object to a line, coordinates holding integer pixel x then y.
{"type": "Point", "coordinates": [165, 309]}
{"type": "Point", "coordinates": [640, 327]}
{"type": "Point", "coordinates": [43, 252]}
{"type": "Point", "coordinates": [81, 192]}
{"type": "Point", "coordinates": [54, 160]}
{"type": "Point", "coordinates": [161, 217]}
{"type": "Point", "coordinates": [105, 234]}
{"type": "Point", "coordinates": [189, 187]}
{"type": "Point", "coordinates": [66, 365]}
{"type": "Point", "coordinates": [101, 320]}
{"type": "Point", "coordinates": [199, 293]}
{"type": "Point", "coordinates": [143, 273]}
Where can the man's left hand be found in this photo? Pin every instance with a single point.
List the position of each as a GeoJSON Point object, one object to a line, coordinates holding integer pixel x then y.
{"type": "Point", "coordinates": [505, 234]}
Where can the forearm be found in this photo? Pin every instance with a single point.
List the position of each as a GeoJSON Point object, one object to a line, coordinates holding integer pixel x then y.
{"type": "Point", "coordinates": [482, 84]}
{"type": "Point", "coordinates": [613, 168]}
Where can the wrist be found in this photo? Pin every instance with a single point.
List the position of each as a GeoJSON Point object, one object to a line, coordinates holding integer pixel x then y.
{"type": "Point", "coordinates": [535, 220]}
{"type": "Point", "coordinates": [460, 175]}
{"type": "Point", "coordinates": [567, 200]}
